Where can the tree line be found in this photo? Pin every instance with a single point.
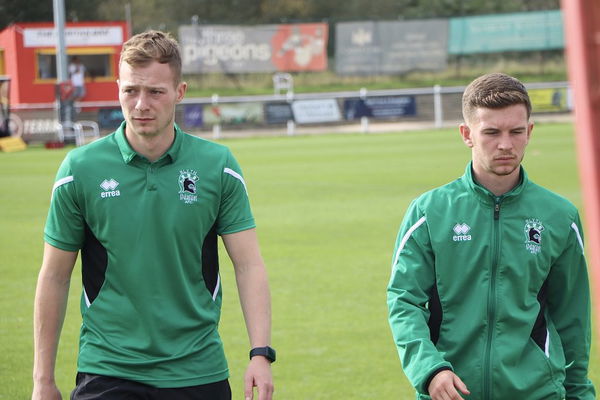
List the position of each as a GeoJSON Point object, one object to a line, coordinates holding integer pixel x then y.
{"type": "Point", "coordinates": [168, 15]}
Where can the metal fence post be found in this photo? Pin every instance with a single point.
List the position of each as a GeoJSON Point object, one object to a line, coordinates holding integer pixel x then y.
{"type": "Point", "coordinates": [437, 106]}
{"type": "Point", "coordinates": [364, 120]}
{"type": "Point", "coordinates": [291, 124]}
{"type": "Point", "coordinates": [217, 126]}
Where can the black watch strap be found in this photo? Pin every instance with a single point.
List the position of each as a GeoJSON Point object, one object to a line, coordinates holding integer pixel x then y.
{"type": "Point", "coordinates": [267, 352]}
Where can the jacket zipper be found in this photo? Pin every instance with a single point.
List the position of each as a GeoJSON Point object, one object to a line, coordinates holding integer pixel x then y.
{"type": "Point", "coordinates": [491, 306]}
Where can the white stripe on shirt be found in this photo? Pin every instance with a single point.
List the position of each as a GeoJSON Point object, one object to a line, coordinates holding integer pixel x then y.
{"type": "Point", "coordinates": [61, 182]}
{"type": "Point", "coordinates": [216, 292]}
{"type": "Point", "coordinates": [406, 237]}
{"type": "Point", "coordinates": [236, 175]}
{"type": "Point", "coordinates": [88, 303]}
{"type": "Point", "coordinates": [576, 229]}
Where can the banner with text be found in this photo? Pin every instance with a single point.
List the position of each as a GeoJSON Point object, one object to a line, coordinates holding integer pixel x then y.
{"type": "Point", "coordinates": [233, 114]}
{"type": "Point", "coordinates": [316, 111]}
{"type": "Point", "coordinates": [539, 30]}
{"type": "Point", "coordinates": [381, 107]}
{"type": "Point", "coordinates": [278, 113]}
{"type": "Point", "coordinates": [192, 115]}
{"type": "Point", "coordinates": [261, 48]}
{"type": "Point", "coordinates": [390, 47]}
{"type": "Point", "coordinates": [74, 36]}
{"type": "Point", "coordinates": [549, 100]}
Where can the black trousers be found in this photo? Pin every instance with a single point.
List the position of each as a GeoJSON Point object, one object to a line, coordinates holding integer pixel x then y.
{"type": "Point", "coordinates": [98, 387]}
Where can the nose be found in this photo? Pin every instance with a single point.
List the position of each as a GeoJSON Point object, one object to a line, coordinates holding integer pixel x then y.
{"type": "Point", "coordinates": [141, 103]}
{"type": "Point", "coordinates": [505, 142]}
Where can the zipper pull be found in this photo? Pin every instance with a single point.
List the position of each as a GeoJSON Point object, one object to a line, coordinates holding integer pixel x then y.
{"type": "Point", "coordinates": [497, 210]}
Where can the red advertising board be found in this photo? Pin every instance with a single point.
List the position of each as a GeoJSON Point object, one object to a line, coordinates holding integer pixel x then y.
{"type": "Point", "coordinates": [300, 47]}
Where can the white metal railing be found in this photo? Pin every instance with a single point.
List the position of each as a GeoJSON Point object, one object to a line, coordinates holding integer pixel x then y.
{"type": "Point", "coordinates": [78, 131]}
{"type": "Point", "coordinates": [363, 92]}
{"type": "Point", "coordinates": [436, 92]}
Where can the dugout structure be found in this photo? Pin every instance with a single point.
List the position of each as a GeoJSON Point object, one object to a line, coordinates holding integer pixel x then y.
{"type": "Point", "coordinates": [582, 30]}
{"type": "Point", "coordinates": [28, 56]}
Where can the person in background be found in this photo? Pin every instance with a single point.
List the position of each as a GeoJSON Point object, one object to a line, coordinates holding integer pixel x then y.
{"type": "Point", "coordinates": [77, 75]}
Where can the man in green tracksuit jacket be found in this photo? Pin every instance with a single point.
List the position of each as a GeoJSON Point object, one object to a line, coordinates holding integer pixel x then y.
{"type": "Point", "coordinates": [489, 294]}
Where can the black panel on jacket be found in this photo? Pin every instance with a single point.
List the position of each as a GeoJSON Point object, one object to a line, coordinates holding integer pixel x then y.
{"type": "Point", "coordinates": [539, 331]}
{"type": "Point", "coordinates": [94, 260]}
{"type": "Point", "coordinates": [435, 315]}
{"type": "Point", "coordinates": [210, 260]}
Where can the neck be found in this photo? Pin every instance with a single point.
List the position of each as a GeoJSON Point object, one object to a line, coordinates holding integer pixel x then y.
{"type": "Point", "coordinates": [498, 184]}
{"type": "Point", "coordinates": [151, 147]}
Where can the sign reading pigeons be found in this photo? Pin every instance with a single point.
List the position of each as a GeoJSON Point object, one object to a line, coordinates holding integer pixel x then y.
{"type": "Point", "coordinates": [261, 48]}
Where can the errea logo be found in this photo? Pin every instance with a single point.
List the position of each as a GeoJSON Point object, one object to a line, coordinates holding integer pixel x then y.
{"type": "Point", "coordinates": [460, 232]}
{"type": "Point", "coordinates": [109, 188]}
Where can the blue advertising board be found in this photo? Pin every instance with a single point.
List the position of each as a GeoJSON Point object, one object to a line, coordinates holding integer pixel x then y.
{"type": "Point", "coordinates": [192, 115]}
{"type": "Point", "coordinates": [110, 118]}
{"type": "Point", "coordinates": [381, 107]}
{"type": "Point", "coordinates": [278, 113]}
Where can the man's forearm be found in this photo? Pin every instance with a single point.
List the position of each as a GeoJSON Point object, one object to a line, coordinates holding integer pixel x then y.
{"type": "Point", "coordinates": [255, 299]}
{"type": "Point", "coordinates": [49, 313]}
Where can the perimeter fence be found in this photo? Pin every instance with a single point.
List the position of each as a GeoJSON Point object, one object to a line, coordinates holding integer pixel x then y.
{"type": "Point", "coordinates": [284, 113]}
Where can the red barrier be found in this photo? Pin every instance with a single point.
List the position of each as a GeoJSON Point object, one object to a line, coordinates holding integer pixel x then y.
{"type": "Point", "coordinates": [582, 30]}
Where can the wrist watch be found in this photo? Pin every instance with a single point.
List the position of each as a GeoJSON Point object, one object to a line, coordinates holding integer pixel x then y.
{"type": "Point", "coordinates": [267, 352]}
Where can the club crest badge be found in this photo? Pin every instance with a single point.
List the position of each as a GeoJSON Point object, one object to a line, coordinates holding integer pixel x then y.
{"type": "Point", "coordinates": [187, 186]}
{"type": "Point", "coordinates": [533, 235]}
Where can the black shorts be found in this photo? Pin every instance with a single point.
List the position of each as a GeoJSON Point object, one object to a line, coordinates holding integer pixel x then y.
{"type": "Point", "coordinates": [99, 387]}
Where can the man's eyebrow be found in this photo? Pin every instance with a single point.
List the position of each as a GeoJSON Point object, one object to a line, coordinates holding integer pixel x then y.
{"type": "Point", "coordinates": [139, 86]}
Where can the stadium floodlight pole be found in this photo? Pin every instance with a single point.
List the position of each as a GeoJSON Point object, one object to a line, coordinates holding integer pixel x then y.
{"type": "Point", "coordinates": [59, 25]}
{"type": "Point", "coordinates": [128, 19]}
{"type": "Point", "coordinates": [61, 55]}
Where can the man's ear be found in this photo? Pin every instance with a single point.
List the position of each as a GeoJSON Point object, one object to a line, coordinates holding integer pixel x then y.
{"type": "Point", "coordinates": [181, 89]}
{"type": "Point", "coordinates": [465, 133]}
{"type": "Point", "coordinates": [529, 130]}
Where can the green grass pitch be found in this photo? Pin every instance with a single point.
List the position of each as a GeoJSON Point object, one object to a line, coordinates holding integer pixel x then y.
{"type": "Point", "coordinates": [328, 208]}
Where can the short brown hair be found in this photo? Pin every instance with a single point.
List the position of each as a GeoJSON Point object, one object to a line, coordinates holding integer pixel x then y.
{"type": "Point", "coordinates": [143, 48]}
{"type": "Point", "coordinates": [494, 90]}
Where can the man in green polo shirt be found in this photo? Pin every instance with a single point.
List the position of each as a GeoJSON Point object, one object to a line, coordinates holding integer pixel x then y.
{"type": "Point", "coordinates": [144, 206]}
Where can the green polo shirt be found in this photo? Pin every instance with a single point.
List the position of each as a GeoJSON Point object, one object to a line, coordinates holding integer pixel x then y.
{"type": "Point", "coordinates": [147, 232]}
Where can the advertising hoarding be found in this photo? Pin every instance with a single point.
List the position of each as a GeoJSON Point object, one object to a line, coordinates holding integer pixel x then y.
{"type": "Point", "coordinates": [381, 107]}
{"type": "Point", "coordinates": [390, 47]}
{"type": "Point", "coordinates": [539, 30]}
{"type": "Point", "coordinates": [261, 48]}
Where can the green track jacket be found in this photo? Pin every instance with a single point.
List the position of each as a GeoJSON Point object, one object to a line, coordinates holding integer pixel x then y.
{"type": "Point", "coordinates": [495, 289]}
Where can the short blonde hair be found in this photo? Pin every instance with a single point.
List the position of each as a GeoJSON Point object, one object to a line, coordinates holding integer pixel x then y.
{"type": "Point", "coordinates": [143, 48]}
{"type": "Point", "coordinates": [495, 90]}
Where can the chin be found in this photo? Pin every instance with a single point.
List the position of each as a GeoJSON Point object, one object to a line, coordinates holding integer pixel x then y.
{"type": "Point", "coordinates": [144, 131]}
{"type": "Point", "coordinates": [506, 170]}
{"type": "Point", "coordinates": [148, 133]}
